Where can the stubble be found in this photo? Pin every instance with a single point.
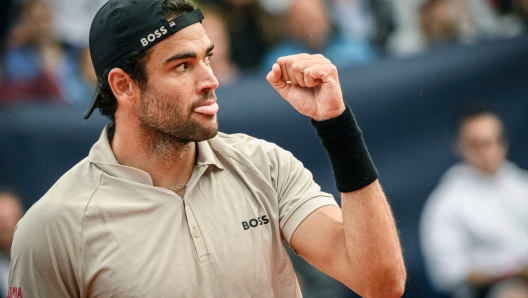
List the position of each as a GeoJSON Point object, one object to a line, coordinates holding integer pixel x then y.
{"type": "Point", "coordinates": [167, 124]}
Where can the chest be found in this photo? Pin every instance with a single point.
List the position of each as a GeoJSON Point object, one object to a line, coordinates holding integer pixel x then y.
{"type": "Point", "coordinates": [496, 213]}
{"type": "Point", "coordinates": [221, 237]}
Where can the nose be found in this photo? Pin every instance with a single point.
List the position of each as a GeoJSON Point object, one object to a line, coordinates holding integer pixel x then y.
{"type": "Point", "coordinates": [207, 81]}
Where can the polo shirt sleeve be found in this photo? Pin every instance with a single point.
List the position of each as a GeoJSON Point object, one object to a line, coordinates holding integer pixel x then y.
{"type": "Point", "coordinates": [298, 193]}
{"type": "Point", "coordinates": [41, 259]}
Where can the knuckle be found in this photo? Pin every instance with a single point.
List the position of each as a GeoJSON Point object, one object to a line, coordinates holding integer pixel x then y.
{"type": "Point", "coordinates": [289, 59]}
{"type": "Point", "coordinates": [296, 66]}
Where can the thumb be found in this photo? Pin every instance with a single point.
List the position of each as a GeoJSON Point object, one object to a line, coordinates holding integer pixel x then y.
{"type": "Point", "coordinates": [275, 79]}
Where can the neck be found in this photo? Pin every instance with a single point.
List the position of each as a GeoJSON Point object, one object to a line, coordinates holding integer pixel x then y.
{"type": "Point", "coordinates": [169, 162]}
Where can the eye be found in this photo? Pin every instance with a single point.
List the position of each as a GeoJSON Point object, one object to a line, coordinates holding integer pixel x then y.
{"type": "Point", "coordinates": [207, 59]}
{"type": "Point", "coordinates": [181, 67]}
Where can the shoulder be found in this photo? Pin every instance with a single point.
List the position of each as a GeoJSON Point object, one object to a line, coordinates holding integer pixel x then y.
{"type": "Point", "coordinates": [241, 141]}
{"type": "Point", "coordinates": [48, 236]}
{"type": "Point", "coordinates": [64, 203]}
{"type": "Point", "coordinates": [454, 186]}
{"type": "Point", "coordinates": [455, 179]}
{"type": "Point", "coordinates": [511, 169]}
{"type": "Point", "coordinates": [248, 146]}
{"type": "Point", "coordinates": [265, 158]}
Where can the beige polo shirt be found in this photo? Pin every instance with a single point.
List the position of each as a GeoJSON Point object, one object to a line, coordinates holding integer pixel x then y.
{"type": "Point", "coordinates": [103, 230]}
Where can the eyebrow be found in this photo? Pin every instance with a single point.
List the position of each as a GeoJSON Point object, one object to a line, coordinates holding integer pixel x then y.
{"type": "Point", "coordinates": [187, 55]}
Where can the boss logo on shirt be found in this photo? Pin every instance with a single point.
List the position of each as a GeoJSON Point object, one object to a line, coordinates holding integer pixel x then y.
{"type": "Point", "coordinates": [253, 223]}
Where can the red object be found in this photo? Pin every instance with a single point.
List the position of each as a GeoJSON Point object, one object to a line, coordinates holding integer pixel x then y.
{"type": "Point", "coordinates": [40, 88]}
{"type": "Point", "coordinates": [14, 292]}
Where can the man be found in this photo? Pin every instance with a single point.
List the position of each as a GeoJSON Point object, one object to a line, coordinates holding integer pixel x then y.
{"type": "Point", "coordinates": [310, 29]}
{"type": "Point", "coordinates": [10, 213]}
{"type": "Point", "coordinates": [165, 206]}
{"type": "Point", "coordinates": [72, 20]}
{"type": "Point", "coordinates": [474, 228]}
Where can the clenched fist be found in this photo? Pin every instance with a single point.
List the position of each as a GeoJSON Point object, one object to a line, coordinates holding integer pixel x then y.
{"type": "Point", "coordinates": [310, 83]}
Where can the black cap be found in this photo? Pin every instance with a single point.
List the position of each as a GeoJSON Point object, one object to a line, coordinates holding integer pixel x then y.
{"type": "Point", "coordinates": [122, 27]}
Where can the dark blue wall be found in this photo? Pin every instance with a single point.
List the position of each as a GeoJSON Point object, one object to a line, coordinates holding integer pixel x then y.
{"type": "Point", "coordinates": [405, 108]}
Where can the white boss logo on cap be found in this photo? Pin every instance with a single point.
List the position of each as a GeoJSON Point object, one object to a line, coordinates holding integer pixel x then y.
{"type": "Point", "coordinates": [152, 37]}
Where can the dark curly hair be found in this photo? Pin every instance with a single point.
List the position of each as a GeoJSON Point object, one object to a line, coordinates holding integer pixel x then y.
{"type": "Point", "coordinates": [135, 67]}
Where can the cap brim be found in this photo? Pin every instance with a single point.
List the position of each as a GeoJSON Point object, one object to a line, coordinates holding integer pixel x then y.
{"type": "Point", "coordinates": [93, 104]}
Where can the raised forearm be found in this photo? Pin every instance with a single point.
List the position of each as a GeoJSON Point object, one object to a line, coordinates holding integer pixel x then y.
{"type": "Point", "coordinates": [359, 244]}
{"type": "Point", "coordinates": [372, 243]}
{"type": "Point", "coordinates": [372, 249]}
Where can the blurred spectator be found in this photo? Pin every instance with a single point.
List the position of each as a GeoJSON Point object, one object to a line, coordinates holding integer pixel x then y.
{"type": "Point", "coordinates": [252, 28]}
{"type": "Point", "coordinates": [10, 213]}
{"type": "Point", "coordinates": [364, 19]}
{"type": "Point", "coordinates": [35, 62]}
{"type": "Point", "coordinates": [311, 30]}
{"type": "Point", "coordinates": [80, 86]}
{"type": "Point", "coordinates": [447, 21]}
{"type": "Point", "coordinates": [384, 20]}
{"type": "Point", "coordinates": [423, 22]}
{"type": "Point", "coordinates": [407, 38]}
{"type": "Point", "coordinates": [224, 69]}
{"type": "Point", "coordinates": [354, 18]}
{"type": "Point", "coordinates": [474, 226]}
{"type": "Point", "coordinates": [490, 23]}
{"type": "Point", "coordinates": [73, 19]}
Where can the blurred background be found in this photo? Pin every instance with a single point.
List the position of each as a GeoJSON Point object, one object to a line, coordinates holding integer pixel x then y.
{"type": "Point", "coordinates": [405, 67]}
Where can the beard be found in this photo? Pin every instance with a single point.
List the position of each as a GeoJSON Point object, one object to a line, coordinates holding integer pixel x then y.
{"type": "Point", "coordinates": [166, 121]}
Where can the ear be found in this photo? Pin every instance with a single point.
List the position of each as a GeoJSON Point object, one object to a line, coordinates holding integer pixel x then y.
{"type": "Point", "coordinates": [124, 87]}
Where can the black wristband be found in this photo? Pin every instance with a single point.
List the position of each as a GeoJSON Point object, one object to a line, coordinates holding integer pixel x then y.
{"type": "Point", "coordinates": [343, 141]}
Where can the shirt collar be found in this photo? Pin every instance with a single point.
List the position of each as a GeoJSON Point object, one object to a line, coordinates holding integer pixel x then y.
{"type": "Point", "coordinates": [206, 155]}
{"type": "Point", "coordinates": [102, 156]}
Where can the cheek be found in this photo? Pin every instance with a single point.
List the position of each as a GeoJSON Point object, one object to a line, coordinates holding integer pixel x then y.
{"type": "Point", "coordinates": [500, 152]}
{"type": "Point", "coordinates": [180, 91]}
{"type": "Point", "coordinates": [171, 95]}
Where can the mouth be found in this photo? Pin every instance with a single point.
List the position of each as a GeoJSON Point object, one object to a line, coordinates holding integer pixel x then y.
{"type": "Point", "coordinates": [208, 108]}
